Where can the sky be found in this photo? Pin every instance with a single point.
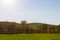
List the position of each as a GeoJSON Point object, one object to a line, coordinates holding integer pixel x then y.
{"type": "Point", "coordinates": [44, 11]}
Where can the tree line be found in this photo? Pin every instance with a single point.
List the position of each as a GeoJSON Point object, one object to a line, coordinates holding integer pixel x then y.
{"type": "Point", "coordinates": [17, 28]}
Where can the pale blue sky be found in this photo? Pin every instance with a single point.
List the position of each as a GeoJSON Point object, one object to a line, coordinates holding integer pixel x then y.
{"type": "Point", "coordinates": [45, 11]}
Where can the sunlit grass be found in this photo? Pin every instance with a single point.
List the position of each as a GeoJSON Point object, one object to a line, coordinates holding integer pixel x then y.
{"type": "Point", "coordinates": [29, 36]}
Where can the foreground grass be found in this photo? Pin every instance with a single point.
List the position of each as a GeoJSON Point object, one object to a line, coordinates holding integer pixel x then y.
{"type": "Point", "coordinates": [29, 36]}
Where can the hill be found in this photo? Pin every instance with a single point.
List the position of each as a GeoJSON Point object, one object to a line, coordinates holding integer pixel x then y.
{"type": "Point", "coordinates": [24, 27]}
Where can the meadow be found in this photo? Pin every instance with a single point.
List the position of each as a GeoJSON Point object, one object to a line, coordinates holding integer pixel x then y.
{"type": "Point", "coordinates": [29, 36]}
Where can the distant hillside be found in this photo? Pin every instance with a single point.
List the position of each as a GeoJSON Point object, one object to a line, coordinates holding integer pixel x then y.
{"type": "Point", "coordinates": [24, 27]}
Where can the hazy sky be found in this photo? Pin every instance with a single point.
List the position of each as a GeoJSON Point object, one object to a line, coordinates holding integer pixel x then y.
{"type": "Point", "coordinates": [46, 11]}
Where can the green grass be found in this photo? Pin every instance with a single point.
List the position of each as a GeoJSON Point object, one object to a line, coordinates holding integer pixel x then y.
{"type": "Point", "coordinates": [29, 36]}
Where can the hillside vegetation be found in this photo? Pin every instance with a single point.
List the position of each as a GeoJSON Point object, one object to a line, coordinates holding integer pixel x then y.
{"type": "Point", "coordinates": [24, 27]}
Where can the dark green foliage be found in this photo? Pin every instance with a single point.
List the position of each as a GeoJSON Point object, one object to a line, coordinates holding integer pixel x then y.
{"type": "Point", "coordinates": [24, 27]}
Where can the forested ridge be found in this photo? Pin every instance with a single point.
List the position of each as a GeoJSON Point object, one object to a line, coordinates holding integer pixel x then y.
{"type": "Point", "coordinates": [24, 27]}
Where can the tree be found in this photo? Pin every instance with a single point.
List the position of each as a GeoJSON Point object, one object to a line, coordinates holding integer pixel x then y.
{"type": "Point", "coordinates": [1, 29]}
{"type": "Point", "coordinates": [23, 22]}
{"type": "Point", "coordinates": [43, 28]}
{"type": "Point", "coordinates": [59, 28]}
{"type": "Point", "coordinates": [11, 28]}
{"type": "Point", "coordinates": [23, 25]}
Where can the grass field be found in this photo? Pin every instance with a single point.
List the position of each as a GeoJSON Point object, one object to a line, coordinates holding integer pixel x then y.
{"type": "Point", "coordinates": [29, 36]}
